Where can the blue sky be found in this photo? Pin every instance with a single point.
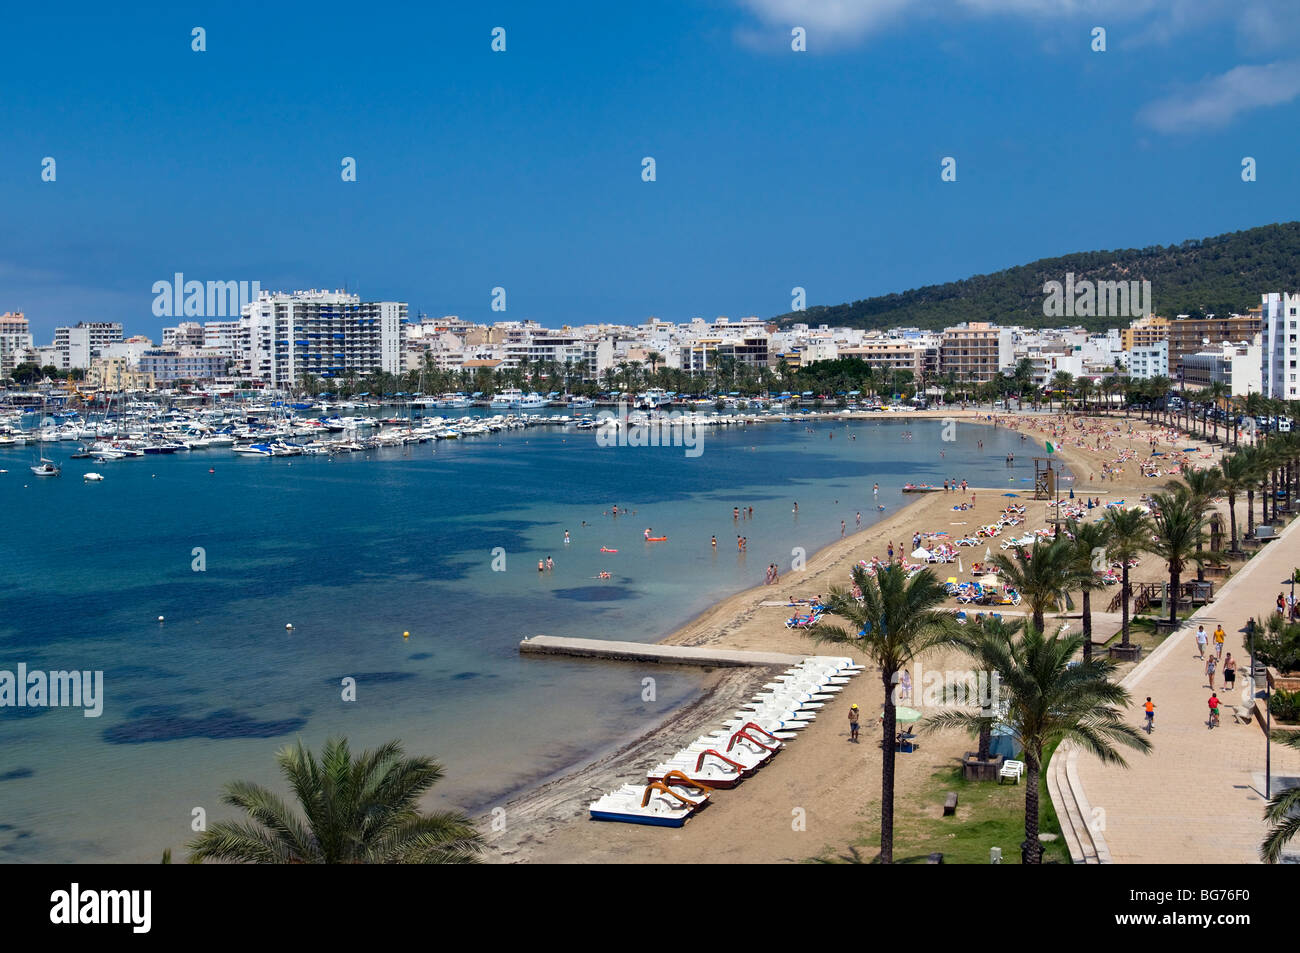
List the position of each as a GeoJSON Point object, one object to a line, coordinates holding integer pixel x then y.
{"type": "Point", "coordinates": [522, 169]}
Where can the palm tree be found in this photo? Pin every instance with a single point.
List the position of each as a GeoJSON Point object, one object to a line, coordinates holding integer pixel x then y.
{"type": "Point", "coordinates": [1180, 532]}
{"type": "Point", "coordinates": [1252, 466]}
{"type": "Point", "coordinates": [1157, 389]}
{"type": "Point", "coordinates": [1090, 540]}
{"type": "Point", "coordinates": [1283, 811]}
{"type": "Point", "coordinates": [1234, 475]}
{"type": "Point", "coordinates": [1049, 700]}
{"type": "Point", "coordinates": [1043, 575]}
{"type": "Point", "coordinates": [1129, 533]}
{"type": "Point", "coordinates": [354, 811]}
{"type": "Point", "coordinates": [1216, 393]}
{"type": "Point", "coordinates": [1204, 486]}
{"type": "Point", "coordinates": [900, 618]}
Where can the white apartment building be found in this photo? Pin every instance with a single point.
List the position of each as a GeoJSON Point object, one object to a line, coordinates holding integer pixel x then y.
{"type": "Point", "coordinates": [77, 346]}
{"type": "Point", "coordinates": [1148, 361]}
{"type": "Point", "coordinates": [1280, 351]}
{"type": "Point", "coordinates": [229, 338]}
{"type": "Point", "coordinates": [1237, 366]}
{"type": "Point", "coordinates": [130, 350]}
{"type": "Point", "coordinates": [327, 334]}
{"type": "Point", "coordinates": [185, 334]}
{"type": "Point", "coordinates": [15, 338]}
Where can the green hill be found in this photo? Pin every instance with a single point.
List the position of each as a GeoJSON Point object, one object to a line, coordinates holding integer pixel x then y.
{"type": "Point", "coordinates": [1211, 276]}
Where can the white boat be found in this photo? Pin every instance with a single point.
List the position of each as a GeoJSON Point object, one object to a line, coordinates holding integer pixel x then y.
{"type": "Point", "coordinates": [654, 398]}
{"type": "Point", "coordinates": [657, 804]}
{"type": "Point", "coordinates": [510, 397]}
{"type": "Point", "coordinates": [531, 401]}
{"type": "Point", "coordinates": [93, 477]}
{"type": "Point", "coordinates": [47, 468]}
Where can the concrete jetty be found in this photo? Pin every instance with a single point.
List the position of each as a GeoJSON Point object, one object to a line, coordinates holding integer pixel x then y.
{"type": "Point", "coordinates": [652, 652]}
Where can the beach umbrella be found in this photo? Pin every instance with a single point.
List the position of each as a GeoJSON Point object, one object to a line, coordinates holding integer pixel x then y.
{"type": "Point", "coordinates": [988, 553]}
{"type": "Point", "coordinates": [921, 553]}
{"type": "Point", "coordinates": [959, 569]}
{"type": "Point", "coordinates": [1016, 495]}
{"type": "Point", "coordinates": [991, 580]}
{"type": "Point", "coordinates": [905, 716]}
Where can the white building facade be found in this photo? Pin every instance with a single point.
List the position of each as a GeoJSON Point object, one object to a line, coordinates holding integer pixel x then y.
{"type": "Point", "coordinates": [1280, 350]}
{"type": "Point", "coordinates": [328, 334]}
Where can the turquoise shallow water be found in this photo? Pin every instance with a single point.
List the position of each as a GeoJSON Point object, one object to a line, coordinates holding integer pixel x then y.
{"type": "Point", "coordinates": [354, 550]}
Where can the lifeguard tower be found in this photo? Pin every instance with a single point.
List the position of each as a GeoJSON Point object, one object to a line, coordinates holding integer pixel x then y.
{"type": "Point", "coordinates": [1045, 477]}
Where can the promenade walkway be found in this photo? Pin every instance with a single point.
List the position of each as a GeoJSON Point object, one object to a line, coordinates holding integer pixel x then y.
{"type": "Point", "coordinates": [1198, 797]}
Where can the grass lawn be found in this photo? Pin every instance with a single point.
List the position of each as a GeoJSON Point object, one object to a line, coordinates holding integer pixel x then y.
{"type": "Point", "coordinates": [988, 815]}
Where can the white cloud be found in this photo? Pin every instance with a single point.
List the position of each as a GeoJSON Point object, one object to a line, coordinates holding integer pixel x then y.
{"type": "Point", "coordinates": [1218, 100]}
{"type": "Point", "coordinates": [830, 23]}
{"type": "Point", "coordinates": [838, 23]}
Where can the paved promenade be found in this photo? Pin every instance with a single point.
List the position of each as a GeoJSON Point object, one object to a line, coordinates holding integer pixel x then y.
{"type": "Point", "coordinates": [1198, 797]}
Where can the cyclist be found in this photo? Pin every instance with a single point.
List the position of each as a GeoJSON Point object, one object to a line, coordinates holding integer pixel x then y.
{"type": "Point", "coordinates": [1214, 709]}
{"type": "Point", "coordinates": [1150, 708]}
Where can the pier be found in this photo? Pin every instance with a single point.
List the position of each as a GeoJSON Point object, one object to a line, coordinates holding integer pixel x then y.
{"type": "Point", "coordinates": [652, 652]}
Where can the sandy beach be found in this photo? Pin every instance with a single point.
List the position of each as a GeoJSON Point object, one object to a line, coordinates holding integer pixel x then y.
{"type": "Point", "coordinates": [823, 778]}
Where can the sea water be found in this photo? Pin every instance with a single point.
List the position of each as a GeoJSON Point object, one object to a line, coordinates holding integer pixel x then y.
{"type": "Point", "coordinates": [441, 541]}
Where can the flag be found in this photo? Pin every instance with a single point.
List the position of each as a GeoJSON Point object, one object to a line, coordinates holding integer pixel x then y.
{"type": "Point", "coordinates": [1050, 448]}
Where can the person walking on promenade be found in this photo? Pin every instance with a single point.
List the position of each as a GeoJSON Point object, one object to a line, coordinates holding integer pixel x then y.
{"type": "Point", "coordinates": [853, 723]}
{"type": "Point", "coordinates": [1229, 673]}
{"type": "Point", "coordinates": [1219, 636]}
{"type": "Point", "coordinates": [1201, 639]}
{"type": "Point", "coordinates": [1210, 665]}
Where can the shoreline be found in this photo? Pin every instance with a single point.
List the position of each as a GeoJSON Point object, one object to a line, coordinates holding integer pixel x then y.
{"type": "Point", "coordinates": [549, 823]}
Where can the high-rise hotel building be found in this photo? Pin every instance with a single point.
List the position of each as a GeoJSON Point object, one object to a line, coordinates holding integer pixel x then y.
{"type": "Point", "coordinates": [1280, 352]}
{"type": "Point", "coordinates": [323, 333]}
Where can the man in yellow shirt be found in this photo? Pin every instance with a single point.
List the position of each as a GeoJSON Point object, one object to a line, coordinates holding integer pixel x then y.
{"type": "Point", "coordinates": [1219, 636]}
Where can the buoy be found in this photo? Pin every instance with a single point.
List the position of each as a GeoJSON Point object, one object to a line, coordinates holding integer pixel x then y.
{"type": "Point", "coordinates": [288, 626]}
{"type": "Point", "coordinates": [406, 635]}
{"type": "Point", "coordinates": [160, 618]}
{"type": "Point", "coordinates": [211, 470]}
{"type": "Point", "coordinates": [93, 477]}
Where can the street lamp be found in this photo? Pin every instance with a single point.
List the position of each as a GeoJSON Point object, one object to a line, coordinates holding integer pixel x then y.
{"type": "Point", "coordinates": [1268, 709]}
